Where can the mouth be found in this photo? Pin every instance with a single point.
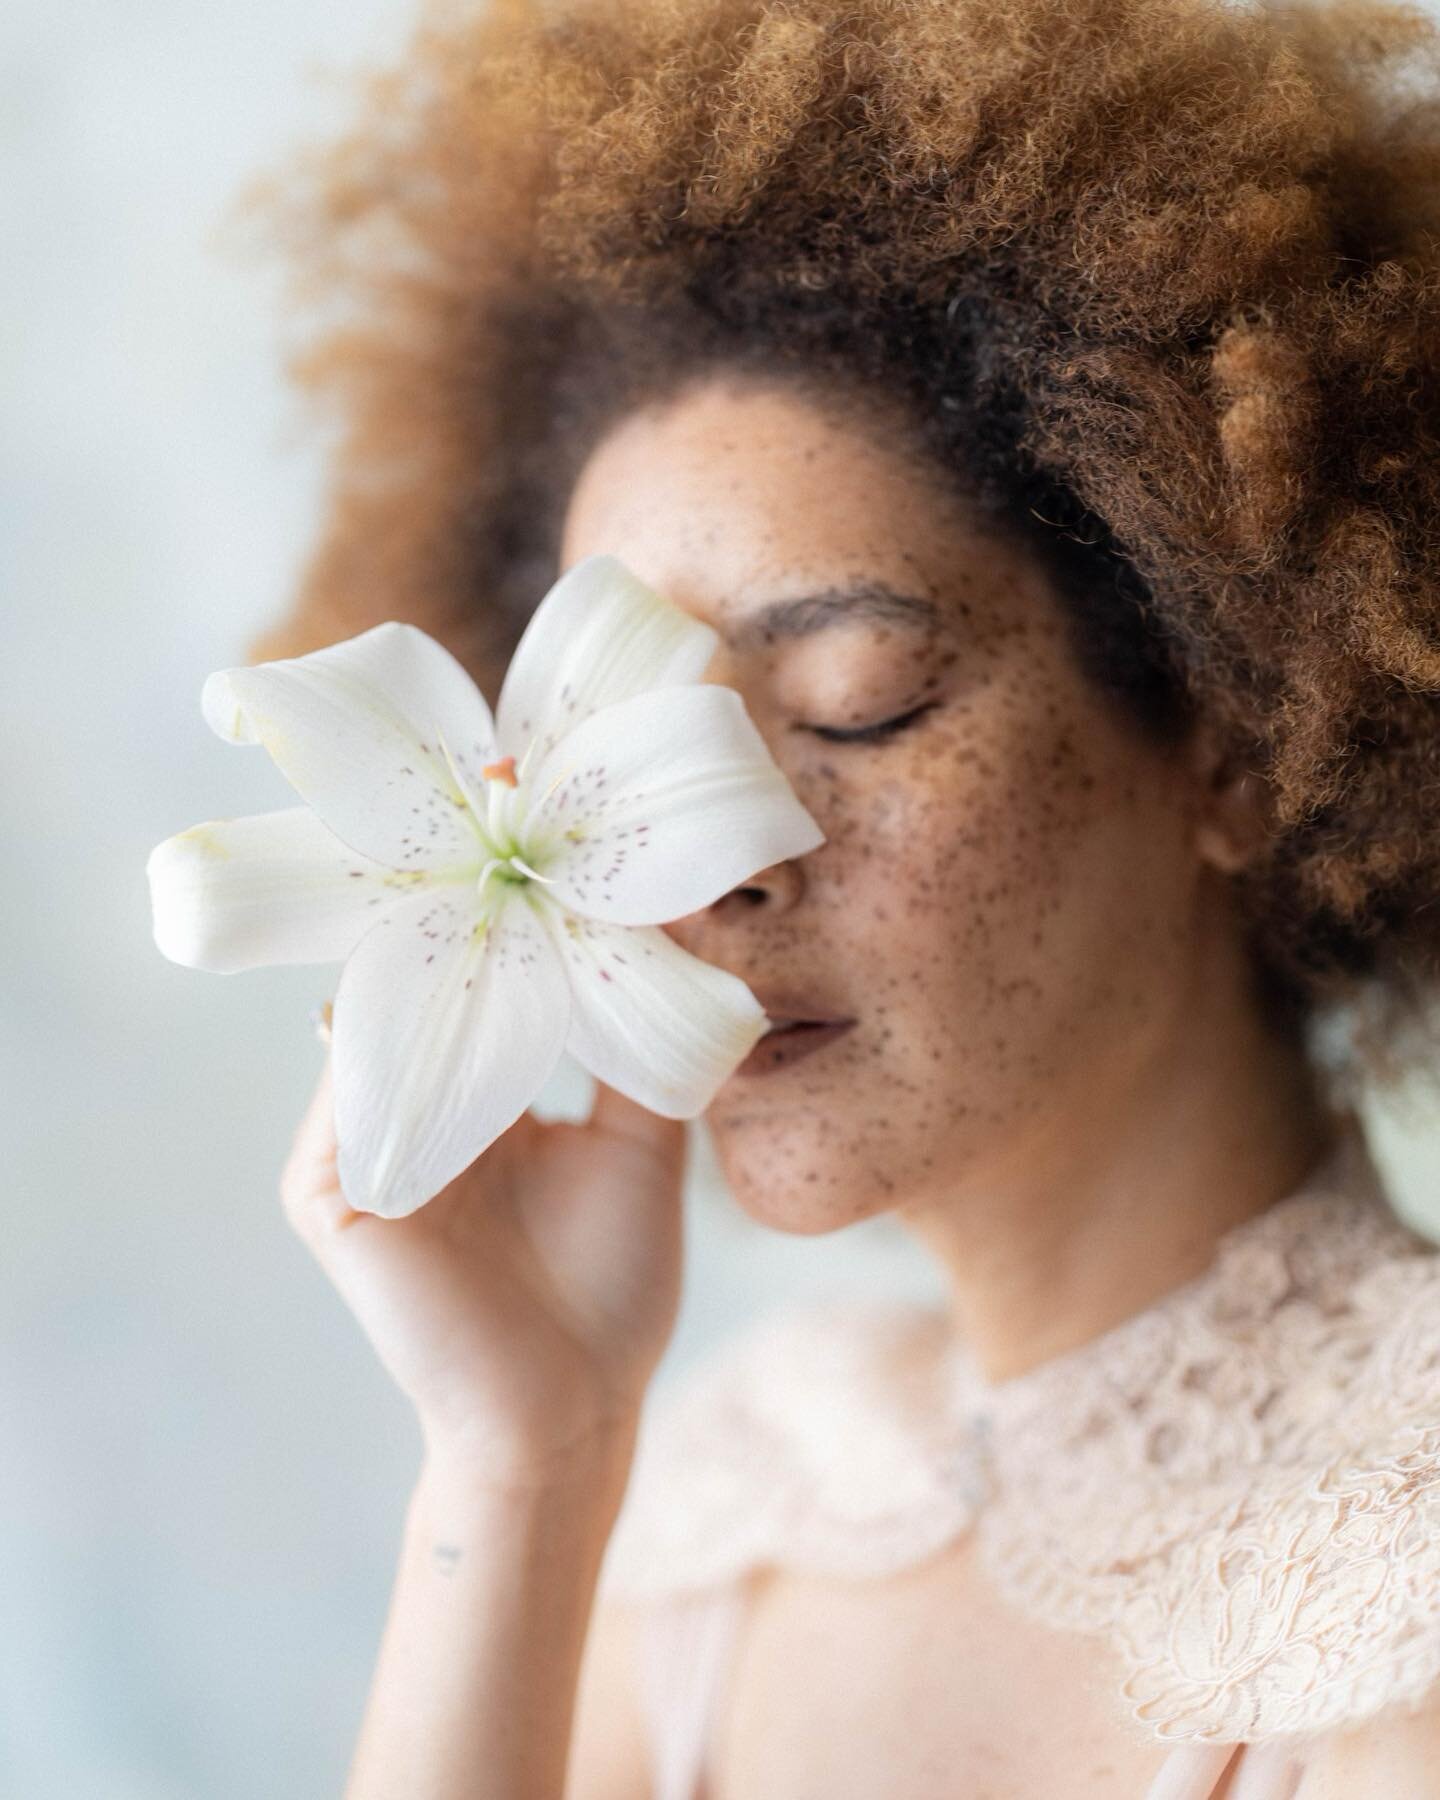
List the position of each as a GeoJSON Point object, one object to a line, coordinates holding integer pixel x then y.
{"type": "Point", "coordinates": [789, 1040]}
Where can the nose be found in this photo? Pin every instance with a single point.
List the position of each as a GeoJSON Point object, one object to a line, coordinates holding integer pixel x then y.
{"type": "Point", "coordinates": [770, 893]}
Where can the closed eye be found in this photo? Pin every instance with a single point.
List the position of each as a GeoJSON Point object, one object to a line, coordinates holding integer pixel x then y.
{"type": "Point", "coordinates": [869, 734]}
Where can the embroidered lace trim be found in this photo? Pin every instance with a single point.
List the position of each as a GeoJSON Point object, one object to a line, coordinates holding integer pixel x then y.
{"type": "Point", "coordinates": [1238, 1486]}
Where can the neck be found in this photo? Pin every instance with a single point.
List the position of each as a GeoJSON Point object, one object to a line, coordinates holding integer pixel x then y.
{"type": "Point", "coordinates": [1118, 1197]}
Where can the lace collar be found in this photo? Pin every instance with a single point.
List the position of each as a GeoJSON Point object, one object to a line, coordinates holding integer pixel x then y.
{"type": "Point", "coordinates": [1237, 1487]}
{"type": "Point", "coordinates": [1272, 1280]}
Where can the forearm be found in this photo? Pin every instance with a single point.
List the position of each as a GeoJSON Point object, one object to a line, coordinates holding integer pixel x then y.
{"type": "Point", "coordinates": [474, 1687]}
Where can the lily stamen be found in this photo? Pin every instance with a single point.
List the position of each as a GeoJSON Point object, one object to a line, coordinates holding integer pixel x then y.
{"type": "Point", "coordinates": [512, 862]}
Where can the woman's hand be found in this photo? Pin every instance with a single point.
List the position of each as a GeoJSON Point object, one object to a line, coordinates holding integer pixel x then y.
{"type": "Point", "coordinates": [524, 1308]}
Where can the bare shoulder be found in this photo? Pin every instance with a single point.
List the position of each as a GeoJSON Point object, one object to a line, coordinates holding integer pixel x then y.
{"type": "Point", "coordinates": [609, 1751]}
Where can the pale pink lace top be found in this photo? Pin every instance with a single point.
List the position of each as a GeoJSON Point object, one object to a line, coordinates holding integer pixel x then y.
{"type": "Point", "coordinates": [1239, 1486]}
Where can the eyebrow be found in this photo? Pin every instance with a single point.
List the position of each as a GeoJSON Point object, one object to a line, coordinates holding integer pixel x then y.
{"type": "Point", "coordinates": [808, 613]}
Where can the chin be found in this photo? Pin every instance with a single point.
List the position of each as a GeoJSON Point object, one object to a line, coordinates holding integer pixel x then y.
{"type": "Point", "coordinates": [784, 1178]}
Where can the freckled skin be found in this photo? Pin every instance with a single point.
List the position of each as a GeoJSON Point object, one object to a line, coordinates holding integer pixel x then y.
{"type": "Point", "coordinates": [1022, 903]}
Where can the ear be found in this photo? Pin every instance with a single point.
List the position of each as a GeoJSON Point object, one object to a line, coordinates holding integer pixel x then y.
{"type": "Point", "coordinates": [1232, 813]}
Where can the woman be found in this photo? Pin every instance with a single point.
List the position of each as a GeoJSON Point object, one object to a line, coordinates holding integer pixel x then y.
{"type": "Point", "coordinates": [1035, 394]}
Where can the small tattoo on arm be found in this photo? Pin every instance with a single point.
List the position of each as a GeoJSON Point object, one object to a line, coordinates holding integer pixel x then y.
{"type": "Point", "coordinates": [447, 1557]}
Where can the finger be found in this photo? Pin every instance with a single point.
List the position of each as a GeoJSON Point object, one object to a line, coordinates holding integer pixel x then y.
{"type": "Point", "coordinates": [309, 1184]}
{"type": "Point", "coordinates": [618, 1116]}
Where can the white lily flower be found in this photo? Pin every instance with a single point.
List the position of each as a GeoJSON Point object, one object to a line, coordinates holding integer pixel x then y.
{"type": "Point", "coordinates": [494, 887]}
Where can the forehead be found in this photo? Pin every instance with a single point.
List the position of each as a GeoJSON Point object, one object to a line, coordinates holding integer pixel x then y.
{"type": "Point", "coordinates": [774, 519]}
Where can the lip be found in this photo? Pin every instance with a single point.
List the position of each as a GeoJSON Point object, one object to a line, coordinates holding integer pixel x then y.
{"type": "Point", "coordinates": [780, 1049]}
{"type": "Point", "coordinates": [781, 1003]}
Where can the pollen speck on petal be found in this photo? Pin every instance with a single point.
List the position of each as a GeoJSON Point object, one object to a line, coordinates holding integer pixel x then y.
{"type": "Point", "coordinates": [204, 839]}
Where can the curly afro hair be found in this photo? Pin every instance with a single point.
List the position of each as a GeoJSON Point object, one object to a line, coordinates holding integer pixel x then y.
{"type": "Point", "coordinates": [1157, 282]}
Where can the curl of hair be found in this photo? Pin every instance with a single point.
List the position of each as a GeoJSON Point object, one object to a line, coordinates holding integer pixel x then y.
{"type": "Point", "coordinates": [1157, 282]}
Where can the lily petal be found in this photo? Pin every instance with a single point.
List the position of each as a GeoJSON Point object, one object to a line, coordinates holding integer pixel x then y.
{"type": "Point", "coordinates": [355, 729]}
{"type": "Point", "coordinates": [443, 1032]}
{"type": "Point", "coordinates": [661, 1025]}
{"type": "Point", "coordinates": [276, 887]}
{"type": "Point", "coordinates": [659, 804]}
{"type": "Point", "coordinates": [598, 636]}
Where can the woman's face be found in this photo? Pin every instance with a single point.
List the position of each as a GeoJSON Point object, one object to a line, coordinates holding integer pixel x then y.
{"type": "Point", "coordinates": [1009, 902]}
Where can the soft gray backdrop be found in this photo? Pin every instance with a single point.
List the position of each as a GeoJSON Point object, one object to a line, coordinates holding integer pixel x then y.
{"type": "Point", "coordinates": [202, 1472]}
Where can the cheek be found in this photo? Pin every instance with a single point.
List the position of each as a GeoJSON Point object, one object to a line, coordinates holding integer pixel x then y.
{"type": "Point", "coordinates": [982, 808]}
{"type": "Point", "coordinates": [1002, 851]}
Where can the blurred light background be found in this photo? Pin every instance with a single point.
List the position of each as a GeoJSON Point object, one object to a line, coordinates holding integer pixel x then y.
{"type": "Point", "coordinates": [202, 1470]}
